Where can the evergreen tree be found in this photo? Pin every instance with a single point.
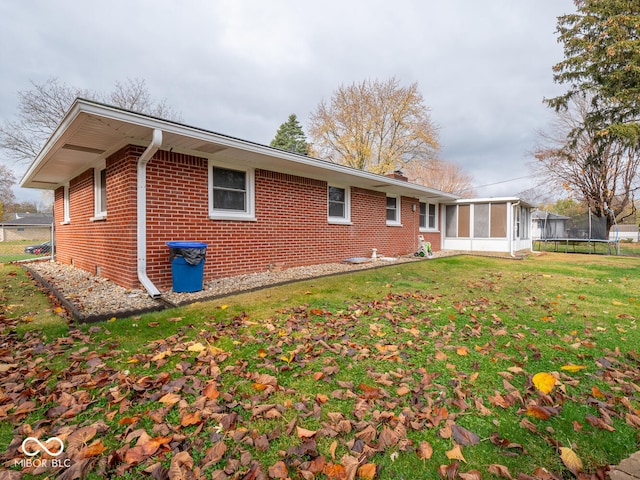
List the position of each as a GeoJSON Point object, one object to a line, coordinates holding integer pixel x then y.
{"type": "Point", "coordinates": [290, 137]}
{"type": "Point", "coordinates": [602, 61]}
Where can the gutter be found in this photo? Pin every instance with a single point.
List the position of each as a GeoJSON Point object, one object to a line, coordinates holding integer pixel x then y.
{"type": "Point", "coordinates": [141, 201]}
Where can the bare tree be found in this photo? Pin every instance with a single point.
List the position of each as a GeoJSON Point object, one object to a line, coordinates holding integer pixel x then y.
{"type": "Point", "coordinates": [441, 175]}
{"type": "Point", "coordinates": [576, 158]}
{"type": "Point", "coordinates": [374, 126]}
{"type": "Point", "coordinates": [41, 108]}
{"type": "Point", "coordinates": [7, 198]}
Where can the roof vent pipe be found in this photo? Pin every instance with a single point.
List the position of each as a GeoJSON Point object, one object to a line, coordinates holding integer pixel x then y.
{"type": "Point", "coordinates": [153, 147]}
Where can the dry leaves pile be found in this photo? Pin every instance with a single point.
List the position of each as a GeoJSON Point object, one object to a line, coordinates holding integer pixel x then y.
{"type": "Point", "coordinates": [186, 409]}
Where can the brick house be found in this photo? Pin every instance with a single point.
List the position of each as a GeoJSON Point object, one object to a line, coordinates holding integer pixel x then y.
{"type": "Point", "coordinates": [127, 183]}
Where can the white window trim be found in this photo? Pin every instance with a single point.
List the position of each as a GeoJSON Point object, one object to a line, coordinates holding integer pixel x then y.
{"type": "Point", "coordinates": [249, 214]}
{"type": "Point", "coordinates": [66, 216]}
{"type": "Point", "coordinates": [97, 193]}
{"type": "Point", "coordinates": [436, 220]}
{"type": "Point", "coordinates": [346, 220]}
{"type": "Point", "coordinates": [398, 221]}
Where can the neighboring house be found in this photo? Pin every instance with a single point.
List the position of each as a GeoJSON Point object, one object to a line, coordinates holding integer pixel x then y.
{"type": "Point", "coordinates": [126, 183]}
{"type": "Point", "coordinates": [625, 232]}
{"type": "Point", "coordinates": [546, 225]}
{"type": "Point", "coordinates": [27, 226]}
{"type": "Point", "coordinates": [487, 225]}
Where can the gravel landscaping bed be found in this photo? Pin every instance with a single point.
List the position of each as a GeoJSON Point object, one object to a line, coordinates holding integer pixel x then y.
{"type": "Point", "coordinates": [92, 298]}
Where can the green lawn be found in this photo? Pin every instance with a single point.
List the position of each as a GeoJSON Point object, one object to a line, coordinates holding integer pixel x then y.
{"type": "Point", "coordinates": [459, 365]}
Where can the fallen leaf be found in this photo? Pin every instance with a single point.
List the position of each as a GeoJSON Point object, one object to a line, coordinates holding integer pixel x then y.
{"type": "Point", "coordinates": [367, 471]}
{"type": "Point", "coordinates": [573, 368]}
{"type": "Point", "coordinates": [93, 450]}
{"type": "Point", "coordinates": [455, 454]}
{"type": "Point", "coordinates": [463, 436]}
{"type": "Point", "coordinates": [170, 399]}
{"type": "Point", "coordinates": [449, 472]}
{"type": "Point", "coordinates": [335, 471]}
{"type": "Point", "coordinates": [500, 471]}
{"type": "Point", "coordinates": [304, 433]}
{"type": "Point", "coordinates": [571, 460]}
{"type": "Point", "coordinates": [544, 382]}
{"type": "Point", "coordinates": [424, 450]}
{"type": "Point", "coordinates": [471, 475]}
{"type": "Point", "coordinates": [278, 470]}
{"type": "Point", "coordinates": [196, 347]}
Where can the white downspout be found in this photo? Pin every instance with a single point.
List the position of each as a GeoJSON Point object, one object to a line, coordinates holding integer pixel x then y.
{"type": "Point", "coordinates": [153, 147]}
{"type": "Point", "coordinates": [512, 238]}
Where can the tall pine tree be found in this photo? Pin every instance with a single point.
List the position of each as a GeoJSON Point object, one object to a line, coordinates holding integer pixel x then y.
{"type": "Point", "coordinates": [290, 137]}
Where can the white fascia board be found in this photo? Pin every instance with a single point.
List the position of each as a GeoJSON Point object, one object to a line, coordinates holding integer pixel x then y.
{"type": "Point", "coordinates": [101, 110]}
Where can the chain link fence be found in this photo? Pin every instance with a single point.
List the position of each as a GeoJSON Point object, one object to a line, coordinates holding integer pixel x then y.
{"type": "Point", "coordinates": [24, 242]}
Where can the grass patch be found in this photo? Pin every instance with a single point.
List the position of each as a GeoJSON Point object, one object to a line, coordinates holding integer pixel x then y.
{"type": "Point", "coordinates": [367, 367]}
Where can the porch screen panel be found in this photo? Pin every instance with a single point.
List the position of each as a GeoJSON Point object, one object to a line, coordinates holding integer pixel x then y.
{"type": "Point", "coordinates": [481, 220]}
{"type": "Point", "coordinates": [451, 221]}
{"type": "Point", "coordinates": [498, 220]}
{"type": "Point", "coordinates": [464, 217]}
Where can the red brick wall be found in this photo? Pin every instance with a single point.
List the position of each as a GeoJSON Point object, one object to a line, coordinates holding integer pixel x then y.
{"type": "Point", "coordinates": [291, 227]}
{"type": "Point", "coordinates": [101, 246]}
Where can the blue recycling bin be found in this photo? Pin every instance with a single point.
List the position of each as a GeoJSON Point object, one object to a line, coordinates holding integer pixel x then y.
{"type": "Point", "coordinates": [187, 265]}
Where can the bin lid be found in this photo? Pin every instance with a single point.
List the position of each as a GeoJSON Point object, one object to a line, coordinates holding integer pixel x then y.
{"type": "Point", "coordinates": [186, 245]}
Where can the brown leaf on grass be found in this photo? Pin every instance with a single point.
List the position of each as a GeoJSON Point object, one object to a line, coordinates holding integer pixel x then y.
{"type": "Point", "coordinates": [504, 443]}
{"type": "Point", "coordinates": [335, 471]}
{"type": "Point", "coordinates": [370, 393]}
{"type": "Point", "coordinates": [498, 400]}
{"type": "Point", "coordinates": [471, 475]}
{"type": "Point", "coordinates": [455, 454]}
{"type": "Point", "coordinates": [449, 472]}
{"type": "Point", "coordinates": [211, 391]}
{"type": "Point", "coordinates": [170, 399]}
{"type": "Point", "coordinates": [181, 466]}
{"type": "Point", "coordinates": [304, 433]}
{"type": "Point", "coordinates": [317, 464]}
{"type": "Point", "coordinates": [500, 471]}
{"type": "Point", "coordinates": [632, 420]}
{"type": "Point", "coordinates": [351, 464]}
{"type": "Point", "coordinates": [278, 470]}
{"type": "Point", "coordinates": [332, 449]}
{"type": "Point", "coordinates": [93, 450]}
{"type": "Point", "coordinates": [525, 423]}
{"type": "Point", "coordinates": [190, 418]}
{"type": "Point", "coordinates": [543, 474]}
{"type": "Point", "coordinates": [387, 438]}
{"type": "Point", "coordinates": [367, 471]}
{"type": "Point", "coordinates": [402, 391]}
{"type": "Point", "coordinates": [214, 454]}
{"type": "Point", "coordinates": [541, 413]}
{"type": "Point", "coordinates": [464, 437]}
{"type": "Point", "coordinates": [597, 422]}
{"type": "Point", "coordinates": [424, 450]}
{"type": "Point", "coordinates": [570, 460]}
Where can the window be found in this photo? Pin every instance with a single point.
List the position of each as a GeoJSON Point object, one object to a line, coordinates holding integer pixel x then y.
{"type": "Point", "coordinates": [451, 219]}
{"type": "Point", "coordinates": [100, 192]}
{"type": "Point", "coordinates": [428, 219]}
{"type": "Point", "coordinates": [230, 193]}
{"type": "Point", "coordinates": [393, 211]}
{"type": "Point", "coordinates": [498, 220]}
{"type": "Point", "coordinates": [481, 220]}
{"type": "Point", "coordinates": [338, 204]}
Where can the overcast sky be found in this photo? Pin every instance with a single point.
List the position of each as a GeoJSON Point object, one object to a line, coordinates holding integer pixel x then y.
{"type": "Point", "coordinates": [240, 67]}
